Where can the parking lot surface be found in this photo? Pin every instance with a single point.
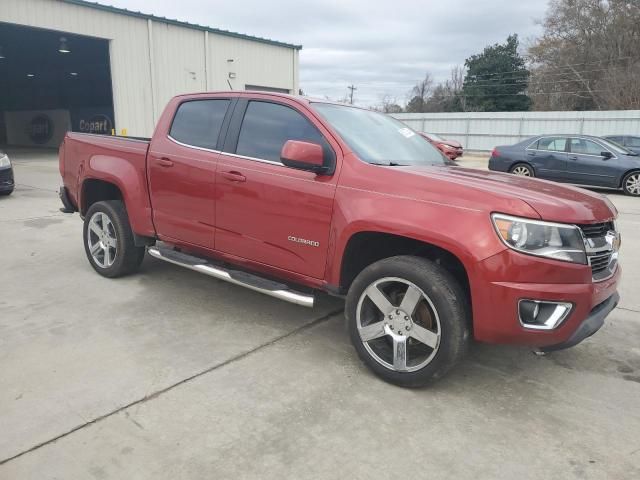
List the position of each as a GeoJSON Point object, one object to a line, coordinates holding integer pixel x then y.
{"type": "Point", "coordinates": [170, 374]}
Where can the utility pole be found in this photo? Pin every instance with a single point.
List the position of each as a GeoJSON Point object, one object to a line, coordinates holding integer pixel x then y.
{"type": "Point", "coordinates": [352, 88]}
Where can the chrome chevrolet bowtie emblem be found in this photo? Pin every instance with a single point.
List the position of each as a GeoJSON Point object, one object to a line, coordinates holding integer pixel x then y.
{"type": "Point", "coordinates": [613, 240]}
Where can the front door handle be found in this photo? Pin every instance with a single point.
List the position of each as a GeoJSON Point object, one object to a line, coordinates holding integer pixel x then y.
{"type": "Point", "coordinates": [164, 162]}
{"type": "Point", "coordinates": [234, 176]}
{"type": "Point", "coordinates": [573, 157]}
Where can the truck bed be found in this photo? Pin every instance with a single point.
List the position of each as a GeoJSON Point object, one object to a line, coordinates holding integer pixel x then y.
{"type": "Point", "coordinates": [85, 157]}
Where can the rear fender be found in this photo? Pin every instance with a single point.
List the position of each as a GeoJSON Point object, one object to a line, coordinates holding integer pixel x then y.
{"type": "Point", "coordinates": [132, 183]}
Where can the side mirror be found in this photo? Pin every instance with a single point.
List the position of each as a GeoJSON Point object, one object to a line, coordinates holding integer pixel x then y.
{"type": "Point", "coordinates": [303, 156]}
{"type": "Point", "coordinates": [606, 155]}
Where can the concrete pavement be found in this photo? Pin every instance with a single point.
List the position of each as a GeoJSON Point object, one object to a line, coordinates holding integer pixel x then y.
{"type": "Point", "coordinates": [170, 374]}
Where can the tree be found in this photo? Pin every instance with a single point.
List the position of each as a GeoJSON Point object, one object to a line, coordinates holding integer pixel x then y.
{"type": "Point", "coordinates": [497, 79]}
{"type": "Point", "coordinates": [587, 57]}
{"type": "Point", "coordinates": [447, 96]}
{"type": "Point", "coordinates": [388, 104]}
{"type": "Point", "coordinates": [420, 94]}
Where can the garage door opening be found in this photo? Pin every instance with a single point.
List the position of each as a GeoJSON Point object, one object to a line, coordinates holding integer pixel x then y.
{"type": "Point", "coordinates": [51, 82]}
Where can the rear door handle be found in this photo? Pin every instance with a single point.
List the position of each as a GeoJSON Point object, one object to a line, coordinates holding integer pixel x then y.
{"type": "Point", "coordinates": [573, 157]}
{"type": "Point", "coordinates": [234, 176]}
{"type": "Point", "coordinates": [164, 162]}
{"type": "Point", "coordinates": [531, 154]}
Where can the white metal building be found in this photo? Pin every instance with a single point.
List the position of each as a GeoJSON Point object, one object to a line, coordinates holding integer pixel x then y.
{"type": "Point", "coordinates": [90, 67]}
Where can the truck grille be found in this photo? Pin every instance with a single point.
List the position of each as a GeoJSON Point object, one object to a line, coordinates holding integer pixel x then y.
{"type": "Point", "coordinates": [596, 230]}
{"type": "Point", "coordinates": [599, 263]}
{"type": "Point", "coordinates": [602, 257]}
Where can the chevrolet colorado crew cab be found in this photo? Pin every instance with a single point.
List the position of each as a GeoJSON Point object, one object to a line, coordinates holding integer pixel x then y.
{"type": "Point", "coordinates": [290, 196]}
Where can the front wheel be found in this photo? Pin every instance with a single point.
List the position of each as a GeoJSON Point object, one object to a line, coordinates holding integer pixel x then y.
{"type": "Point", "coordinates": [631, 184]}
{"type": "Point", "coordinates": [523, 170]}
{"type": "Point", "coordinates": [108, 240]}
{"type": "Point", "coordinates": [408, 320]}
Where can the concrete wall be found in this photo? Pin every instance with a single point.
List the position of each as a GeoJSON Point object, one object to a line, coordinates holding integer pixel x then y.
{"type": "Point", "coordinates": [152, 60]}
{"type": "Point", "coordinates": [482, 131]}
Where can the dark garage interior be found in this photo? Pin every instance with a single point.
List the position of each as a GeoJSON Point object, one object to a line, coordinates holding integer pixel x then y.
{"type": "Point", "coordinates": [51, 82]}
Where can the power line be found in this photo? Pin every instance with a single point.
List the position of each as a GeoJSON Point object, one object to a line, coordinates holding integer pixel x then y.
{"type": "Point", "coordinates": [564, 66]}
{"type": "Point", "coordinates": [462, 95]}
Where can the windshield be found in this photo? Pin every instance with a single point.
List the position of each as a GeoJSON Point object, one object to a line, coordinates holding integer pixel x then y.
{"type": "Point", "coordinates": [379, 139]}
{"type": "Point", "coordinates": [616, 147]}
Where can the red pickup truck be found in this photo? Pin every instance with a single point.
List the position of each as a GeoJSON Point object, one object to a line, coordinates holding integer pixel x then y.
{"type": "Point", "coordinates": [287, 196]}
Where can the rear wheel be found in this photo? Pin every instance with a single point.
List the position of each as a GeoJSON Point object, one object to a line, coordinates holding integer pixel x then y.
{"type": "Point", "coordinates": [631, 184]}
{"type": "Point", "coordinates": [407, 319]}
{"type": "Point", "coordinates": [523, 170]}
{"type": "Point", "coordinates": [108, 240]}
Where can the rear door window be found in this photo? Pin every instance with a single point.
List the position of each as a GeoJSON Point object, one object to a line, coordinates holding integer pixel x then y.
{"type": "Point", "coordinates": [198, 122]}
{"type": "Point", "coordinates": [266, 127]}
{"type": "Point", "coordinates": [582, 146]}
{"type": "Point", "coordinates": [554, 144]}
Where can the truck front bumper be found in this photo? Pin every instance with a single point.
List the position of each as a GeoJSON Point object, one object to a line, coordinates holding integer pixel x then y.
{"type": "Point", "coordinates": [6, 179]}
{"type": "Point", "coordinates": [496, 302]}
{"type": "Point", "coordinates": [589, 326]}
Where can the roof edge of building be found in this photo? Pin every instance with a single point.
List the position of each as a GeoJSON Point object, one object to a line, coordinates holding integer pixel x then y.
{"type": "Point", "coordinates": [180, 23]}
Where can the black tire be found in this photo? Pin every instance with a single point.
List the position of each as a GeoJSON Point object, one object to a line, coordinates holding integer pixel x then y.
{"type": "Point", "coordinates": [445, 296]}
{"type": "Point", "coordinates": [6, 193]}
{"type": "Point", "coordinates": [522, 167]}
{"type": "Point", "coordinates": [127, 257]}
{"type": "Point", "coordinates": [630, 188]}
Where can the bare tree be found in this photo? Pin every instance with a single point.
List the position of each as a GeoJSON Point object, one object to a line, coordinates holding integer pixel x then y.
{"type": "Point", "coordinates": [588, 56]}
{"type": "Point", "coordinates": [388, 104]}
{"type": "Point", "coordinates": [420, 93]}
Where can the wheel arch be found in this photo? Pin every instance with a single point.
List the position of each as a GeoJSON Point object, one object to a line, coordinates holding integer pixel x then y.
{"type": "Point", "coordinates": [521, 162]}
{"type": "Point", "coordinates": [97, 190]}
{"type": "Point", "coordinates": [626, 174]}
{"type": "Point", "coordinates": [366, 247]}
{"type": "Point", "coordinates": [115, 178]}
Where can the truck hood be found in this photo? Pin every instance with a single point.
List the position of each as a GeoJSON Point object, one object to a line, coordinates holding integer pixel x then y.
{"type": "Point", "coordinates": [497, 191]}
{"type": "Point", "coordinates": [452, 143]}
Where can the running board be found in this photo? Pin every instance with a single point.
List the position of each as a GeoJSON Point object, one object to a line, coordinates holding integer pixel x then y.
{"type": "Point", "coordinates": [237, 277]}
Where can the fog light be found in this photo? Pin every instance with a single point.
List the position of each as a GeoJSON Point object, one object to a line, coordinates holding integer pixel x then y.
{"type": "Point", "coordinates": [542, 315]}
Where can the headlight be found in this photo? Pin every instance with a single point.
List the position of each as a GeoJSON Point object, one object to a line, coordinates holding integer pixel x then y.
{"type": "Point", "coordinates": [4, 161]}
{"type": "Point", "coordinates": [545, 239]}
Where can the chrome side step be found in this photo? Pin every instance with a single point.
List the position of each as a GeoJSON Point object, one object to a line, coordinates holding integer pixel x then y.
{"type": "Point", "coordinates": [237, 277]}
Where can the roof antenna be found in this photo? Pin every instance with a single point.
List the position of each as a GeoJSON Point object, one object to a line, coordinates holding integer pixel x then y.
{"type": "Point", "coordinates": [229, 84]}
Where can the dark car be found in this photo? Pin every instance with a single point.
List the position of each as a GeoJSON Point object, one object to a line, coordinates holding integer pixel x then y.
{"type": "Point", "coordinates": [631, 142]}
{"type": "Point", "coordinates": [450, 148]}
{"type": "Point", "coordinates": [578, 159]}
{"type": "Point", "coordinates": [6, 175]}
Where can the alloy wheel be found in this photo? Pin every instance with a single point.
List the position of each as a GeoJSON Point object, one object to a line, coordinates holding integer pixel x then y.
{"type": "Point", "coordinates": [398, 324]}
{"type": "Point", "coordinates": [102, 240]}
{"type": "Point", "coordinates": [632, 184]}
{"type": "Point", "coordinates": [522, 171]}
